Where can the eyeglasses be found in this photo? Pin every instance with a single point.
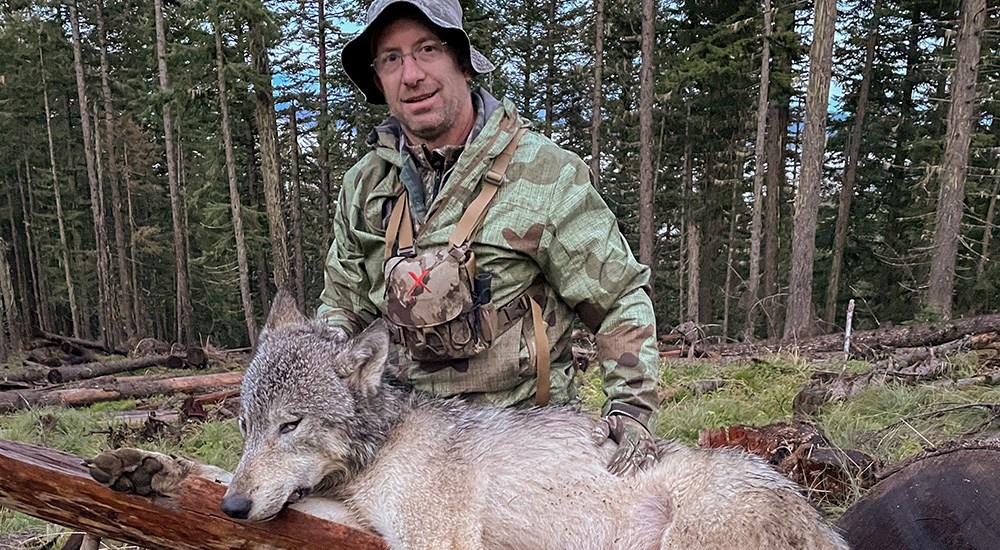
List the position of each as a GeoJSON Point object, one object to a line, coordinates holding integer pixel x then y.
{"type": "Point", "coordinates": [426, 53]}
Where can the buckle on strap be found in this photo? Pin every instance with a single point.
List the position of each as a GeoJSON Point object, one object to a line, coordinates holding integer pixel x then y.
{"type": "Point", "coordinates": [512, 312]}
{"type": "Point", "coordinates": [494, 178]}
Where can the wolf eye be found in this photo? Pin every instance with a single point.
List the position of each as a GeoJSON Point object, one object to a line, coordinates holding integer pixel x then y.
{"type": "Point", "coordinates": [289, 426]}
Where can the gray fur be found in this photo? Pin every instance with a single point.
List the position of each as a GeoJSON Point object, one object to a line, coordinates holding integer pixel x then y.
{"type": "Point", "coordinates": [320, 416]}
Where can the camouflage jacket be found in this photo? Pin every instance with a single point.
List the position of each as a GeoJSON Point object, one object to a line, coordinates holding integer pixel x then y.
{"type": "Point", "coordinates": [547, 221]}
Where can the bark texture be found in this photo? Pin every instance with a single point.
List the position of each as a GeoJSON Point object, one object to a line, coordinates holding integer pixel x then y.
{"type": "Point", "coordinates": [799, 308]}
{"type": "Point", "coordinates": [235, 205]}
{"type": "Point", "coordinates": [851, 167]}
{"type": "Point", "coordinates": [105, 296]}
{"type": "Point", "coordinates": [267, 128]}
{"type": "Point", "coordinates": [951, 200]}
{"type": "Point", "coordinates": [182, 287]}
{"type": "Point", "coordinates": [56, 487]}
{"type": "Point", "coordinates": [595, 122]}
{"type": "Point", "coordinates": [646, 232]}
{"type": "Point", "coordinates": [751, 303]}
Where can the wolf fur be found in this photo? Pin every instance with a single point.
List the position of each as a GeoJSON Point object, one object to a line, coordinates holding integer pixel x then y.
{"type": "Point", "coordinates": [320, 415]}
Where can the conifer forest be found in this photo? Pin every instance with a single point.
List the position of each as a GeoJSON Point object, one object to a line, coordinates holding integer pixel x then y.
{"type": "Point", "coordinates": [166, 165]}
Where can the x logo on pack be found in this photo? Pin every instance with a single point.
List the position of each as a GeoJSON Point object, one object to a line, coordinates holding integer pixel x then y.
{"type": "Point", "coordinates": [418, 281]}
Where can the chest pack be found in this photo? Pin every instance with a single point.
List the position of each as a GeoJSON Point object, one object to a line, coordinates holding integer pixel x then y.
{"type": "Point", "coordinates": [438, 306]}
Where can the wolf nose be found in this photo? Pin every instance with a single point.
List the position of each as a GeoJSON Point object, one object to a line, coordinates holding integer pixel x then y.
{"type": "Point", "coordinates": [236, 506]}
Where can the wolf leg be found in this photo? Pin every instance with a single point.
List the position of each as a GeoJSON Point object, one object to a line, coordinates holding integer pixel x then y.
{"type": "Point", "coordinates": [147, 473]}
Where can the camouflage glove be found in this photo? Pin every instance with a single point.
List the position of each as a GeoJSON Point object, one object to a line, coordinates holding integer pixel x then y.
{"type": "Point", "coordinates": [636, 446]}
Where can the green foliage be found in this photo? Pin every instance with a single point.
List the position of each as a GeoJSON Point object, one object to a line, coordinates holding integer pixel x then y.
{"type": "Point", "coordinates": [757, 393]}
{"type": "Point", "coordinates": [894, 422]}
{"type": "Point", "coordinates": [68, 430]}
{"type": "Point", "coordinates": [890, 422]}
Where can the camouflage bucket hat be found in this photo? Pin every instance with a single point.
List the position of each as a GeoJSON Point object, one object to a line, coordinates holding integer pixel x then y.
{"type": "Point", "coordinates": [444, 14]}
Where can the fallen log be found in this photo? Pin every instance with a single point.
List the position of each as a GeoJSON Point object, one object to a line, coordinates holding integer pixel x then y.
{"type": "Point", "coordinates": [55, 486]}
{"type": "Point", "coordinates": [196, 358]}
{"type": "Point", "coordinates": [906, 366]}
{"type": "Point", "coordinates": [46, 359]}
{"type": "Point", "coordinates": [928, 334]}
{"type": "Point", "coordinates": [89, 344]}
{"type": "Point", "coordinates": [82, 371]}
{"type": "Point", "coordinates": [137, 387]}
{"type": "Point", "coordinates": [33, 372]}
{"type": "Point", "coordinates": [138, 418]}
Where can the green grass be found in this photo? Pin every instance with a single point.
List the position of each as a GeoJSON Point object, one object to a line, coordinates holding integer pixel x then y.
{"type": "Point", "coordinates": [890, 422]}
{"type": "Point", "coordinates": [755, 393]}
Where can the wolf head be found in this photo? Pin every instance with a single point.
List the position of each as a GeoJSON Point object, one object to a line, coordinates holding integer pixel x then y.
{"type": "Point", "coordinates": [299, 409]}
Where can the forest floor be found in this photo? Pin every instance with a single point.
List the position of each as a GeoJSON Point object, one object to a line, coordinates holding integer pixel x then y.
{"type": "Point", "coordinates": [889, 421]}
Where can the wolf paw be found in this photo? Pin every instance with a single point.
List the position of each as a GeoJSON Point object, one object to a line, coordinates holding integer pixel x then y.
{"type": "Point", "coordinates": [136, 471]}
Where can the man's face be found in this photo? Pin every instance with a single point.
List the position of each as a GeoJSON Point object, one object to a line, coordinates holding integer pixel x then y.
{"type": "Point", "coordinates": [431, 100]}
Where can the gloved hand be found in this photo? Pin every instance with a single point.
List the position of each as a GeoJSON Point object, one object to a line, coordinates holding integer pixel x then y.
{"type": "Point", "coordinates": [636, 446]}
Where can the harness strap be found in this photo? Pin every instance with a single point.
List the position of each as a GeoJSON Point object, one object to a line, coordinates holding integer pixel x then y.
{"type": "Point", "coordinates": [395, 220]}
{"type": "Point", "coordinates": [542, 362]}
{"type": "Point", "coordinates": [538, 349]}
{"type": "Point", "coordinates": [518, 307]}
{"type": "Point", "coordinates": [476, 212]}
{"type": "Point", "coordinates": [401, 224]}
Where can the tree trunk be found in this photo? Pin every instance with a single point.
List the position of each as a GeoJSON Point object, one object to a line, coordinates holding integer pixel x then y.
{"type": "Point", "coordinates": [951, 200]}
{"type": "Point", "coordinates": [753, 280]}
{"type": "Point", "coordinates": [595, 122]}
{"type": "Point", "coordinates": [24, 189]}
{"type": "Point", "coordinates": [727, 289]}
{"type": "Point", "coordinates": [63, 246]}
{"type": "Point", "coordinates": [991, 213]}
{"type": "Point", "coordinates": [234, 193]}
{"type": "Point", "coordinates": [96, 204]}
{"type": "Point", "coordinates": [18, 276]}
{"type": "Point", "coordinates": [778, 119]}
{"type": "Point", "coordinates": [694, 269]}
{"type": "Point", "coordinates": [688, 311]}
{"type": "Point", "coordinates": [141, 323]}
{"type": "Point", "coordinates": [296, 208]}
{"type": "Point", "coordinates": [851, 167]}
{"type": "Point", "coordinates": [11, 326]}
{"type": "Point", "coordinates": [799, 309]}
{"type": "Point", "coordinates": [269, 165]}
{"type": "Point", "coordinates": [325, 192]}
{"type": "Point", "coordinates": [183, 331]}
{"type": "Point", "coordinates": [550, 66]}
{"type": "Point", "coordinates": [260, 257]}
{"type": "Point", "coordinates": [113, 307]}
{"type": "Point", "coordinates": [126, 295]}
{"type": "Point", "coordinates": [646, 231]}
{"type": "Point", "coordinates": [711, 233]}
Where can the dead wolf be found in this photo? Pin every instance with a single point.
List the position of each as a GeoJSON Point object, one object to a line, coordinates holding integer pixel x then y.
{"type": "Point", "coordinates": [321, 416]}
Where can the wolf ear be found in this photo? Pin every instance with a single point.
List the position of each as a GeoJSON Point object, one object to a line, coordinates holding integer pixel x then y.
{"type": "Point", "coordinates": [368, 353]}
{"type": "Point", "coordinates": [284, 311]}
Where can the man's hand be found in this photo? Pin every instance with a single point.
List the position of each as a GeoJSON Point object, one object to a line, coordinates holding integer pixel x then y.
{"type": "Point", "coordinates": [636, 446]}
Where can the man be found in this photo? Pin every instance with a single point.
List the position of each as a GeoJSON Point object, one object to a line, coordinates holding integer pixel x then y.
{"type": "Point", "coordinates": [479, 242]}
